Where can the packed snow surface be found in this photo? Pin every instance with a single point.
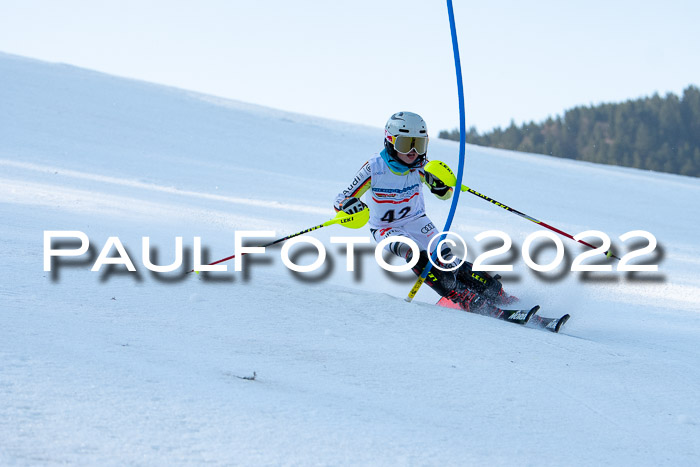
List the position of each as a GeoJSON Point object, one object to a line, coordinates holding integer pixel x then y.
{"type": "Point", "coordinates": [266, 366]}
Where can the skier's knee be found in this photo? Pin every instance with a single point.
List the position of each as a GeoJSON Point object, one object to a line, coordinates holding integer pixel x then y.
{"type": "Point", "coordinates": [446, 259]}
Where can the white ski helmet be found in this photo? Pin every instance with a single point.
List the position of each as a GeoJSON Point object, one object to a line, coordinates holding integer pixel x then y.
{"type": "Point", "coordinates": [405, 131]}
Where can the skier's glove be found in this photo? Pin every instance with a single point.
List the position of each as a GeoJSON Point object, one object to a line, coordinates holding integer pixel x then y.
{"type": "Point", "coordinates": [352, 205]}
{"type": "Point", "coordinates": [436, 185]}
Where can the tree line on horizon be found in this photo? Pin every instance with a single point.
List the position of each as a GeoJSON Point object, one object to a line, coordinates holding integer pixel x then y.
{"type": "Point", "coordinates": [651, 133]}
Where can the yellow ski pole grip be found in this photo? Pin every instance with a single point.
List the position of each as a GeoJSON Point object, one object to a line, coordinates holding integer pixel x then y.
{"type": "Point", "coordinates": [351, 221]}
{"type": "Point", "coordinates": [444, 173]}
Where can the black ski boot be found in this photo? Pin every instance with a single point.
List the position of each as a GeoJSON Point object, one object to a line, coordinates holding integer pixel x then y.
{"type": "Point", "coordinates": [443, 282]}
{"type": "Point", "coordinates": [484, 284]}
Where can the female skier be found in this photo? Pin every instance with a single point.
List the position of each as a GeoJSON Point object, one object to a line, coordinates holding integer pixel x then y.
{"type": "Point", "coordinates": [393, 181]}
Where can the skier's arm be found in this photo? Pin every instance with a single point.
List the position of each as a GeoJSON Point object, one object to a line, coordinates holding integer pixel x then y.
{"type": "Point", "coordinates": [437, 187]}
{"type": "Point", "coordinates": [358, 187]}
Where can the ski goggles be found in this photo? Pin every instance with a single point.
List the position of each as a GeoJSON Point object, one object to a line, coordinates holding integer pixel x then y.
{"type": "Point", "coordinates": [404, 144]}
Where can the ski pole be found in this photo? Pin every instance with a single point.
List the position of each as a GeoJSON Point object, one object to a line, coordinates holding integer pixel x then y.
{"type": "Point", "coordinates": [608, 253]}
{"type": "Point", "coordinates": [351, 221]}
{"type": "Point", "coordinates": [440, 170]}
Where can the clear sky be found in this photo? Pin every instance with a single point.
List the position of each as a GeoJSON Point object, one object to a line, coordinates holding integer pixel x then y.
{"type": "Point", "coordinates": [362, 60]}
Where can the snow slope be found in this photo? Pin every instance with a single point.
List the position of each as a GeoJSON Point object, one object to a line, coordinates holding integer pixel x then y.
{"type": "Point", "coordinates": [116, 367]}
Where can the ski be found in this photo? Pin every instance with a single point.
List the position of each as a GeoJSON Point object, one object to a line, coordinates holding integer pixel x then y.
{"type": "Point", "coordinates": [515, 316]}
{"type": "Point", "coordinates": [512, 316]}
{"type": "Point", "coordinates": [550, 324]}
